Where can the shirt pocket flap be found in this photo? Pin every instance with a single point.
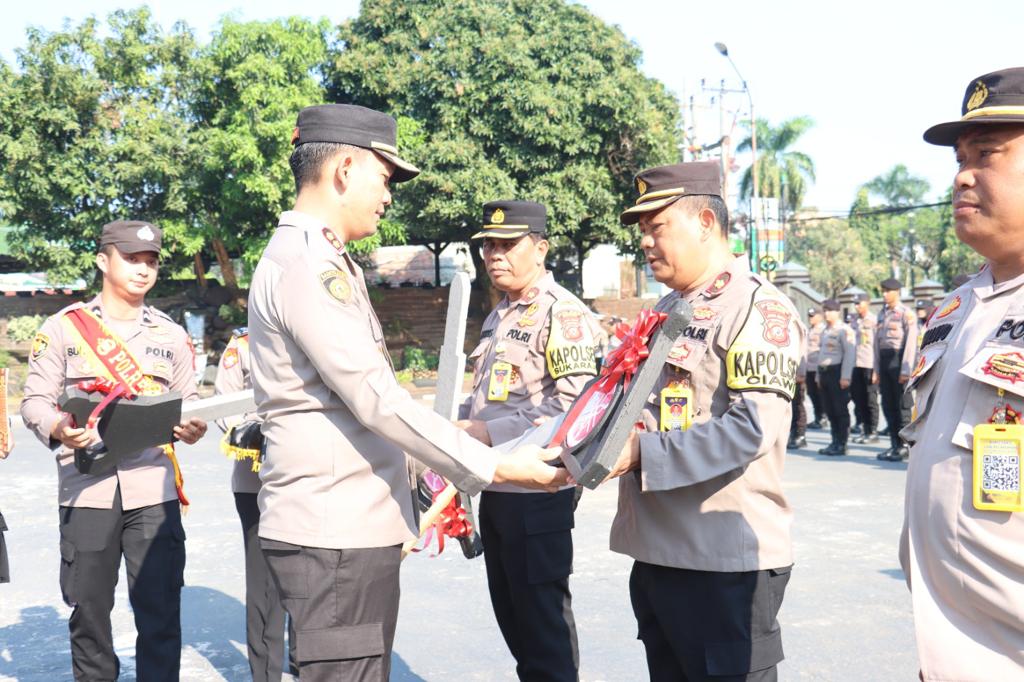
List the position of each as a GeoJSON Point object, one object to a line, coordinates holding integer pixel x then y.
{"type": "Point", "coordinates": [686, 354]}
{"type": "Point", "coordinates": [926, 360]}
{"type": "Point", "coordinates": [999, 365]}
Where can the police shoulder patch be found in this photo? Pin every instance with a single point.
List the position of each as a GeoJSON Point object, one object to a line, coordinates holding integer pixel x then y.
{"type": "Point", "coordinates": [336, 284]}
{"type": "Point", "coordinates": [765, 355]}
{"type": "Point", "coordinates": [570, 346]}
{"type": "Point", "coordinates": [40, 344]}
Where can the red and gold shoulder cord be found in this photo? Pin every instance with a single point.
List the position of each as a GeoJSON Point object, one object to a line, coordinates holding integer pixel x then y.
{"type": "Point", "coordinates": [122, 374]}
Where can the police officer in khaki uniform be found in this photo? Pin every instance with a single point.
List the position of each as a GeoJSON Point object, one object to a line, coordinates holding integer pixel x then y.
{"type": "Point", "coordinates": [835, 369]}
{"type": "Point", "coordinates": [336, 506]}
{"type": "Point", "coordinates": [535, 354]}
{"type": "Point", "coordinates": [133, 510]}
{"type": "Point", "coordinates": [701, 505]}
{"type": "Point", "coordinates": [964, 561]}
{"type": "Point", "coordinates": [264, 612]}
{"type": "Point", "coordinates": [895, 344]}
{"type": "Point", "coordinates": [863, 388]}
{"type": "Point", "coordinates": [815, 326]}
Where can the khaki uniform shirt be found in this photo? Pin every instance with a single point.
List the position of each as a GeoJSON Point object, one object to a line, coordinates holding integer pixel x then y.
{"type": "Point", "coordinates": [864, 333]}
{"type": "Point", "coordinates": [547, 336]}
{"type": "Point", "coordinates": [334, 417]}
{"type": "Point", "coordinates": [965, 567]}
{"type": "Point", "coordinates": [814, 345]}
{"type": "Point", "coordinates": [162, 348]}
{"type": "Point", "coordinates": [897, 329]}
{"type": "Point", "coordinates": [234, 373]}
{"type": "Point", "coordinates": [838, 349]}
{"type": "Point", "coordinates": [710, 498]}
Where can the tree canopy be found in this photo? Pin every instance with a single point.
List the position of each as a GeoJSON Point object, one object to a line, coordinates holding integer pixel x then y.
{"type": "Point", "coordinates": [783, 172]}
{"type": "Point", "coordinates": [535, 100]}
{"type": "Point", "coordinates": [495, 99]}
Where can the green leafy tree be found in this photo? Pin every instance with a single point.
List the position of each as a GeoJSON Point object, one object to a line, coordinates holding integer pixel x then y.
{"type": "Point", "coordinates": [779, 166]}
{"type": "Point", "coordinates": [536, 100]}
{"type": "Point", "coordinates": [835, 256]}
{"type": "Point", "coordinates": [246, 87]}
{"type": "Point", "coordinates": [93, 129]}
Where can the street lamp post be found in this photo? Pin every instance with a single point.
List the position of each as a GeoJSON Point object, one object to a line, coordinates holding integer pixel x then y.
{"type": "Point", "coordinates": [754, 204]}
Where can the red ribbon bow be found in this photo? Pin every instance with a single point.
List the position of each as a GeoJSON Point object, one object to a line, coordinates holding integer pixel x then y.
{"type": "Point", "coordinates": [452, 522]}
{"type": "Point", "coordinates": [626, 359]}
{"type": "Point", "coordinates": [620, 363]}
{"type": "Point", "coordinates": [112, 390]}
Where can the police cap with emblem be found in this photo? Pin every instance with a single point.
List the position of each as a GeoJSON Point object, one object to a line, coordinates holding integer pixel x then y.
{"type": "Point", "coordinates": [356, 126]}
{"type": "Point", "coordinates": [996, 97]}
{"type": "Point", "coordinates": [830, 304]}
{"type": "Point", "coordinates": [861, 296]}
{"type": "Point", "coordinates": [512, 219]}
{"type": "Point", "coordinates": [131, 236]}
{"type": "Point", "coordinates": [811, 312]}
{"type": "Point", "coordinates": [661, 186]}
{"type": "Point", "coordinates": [891, 284]}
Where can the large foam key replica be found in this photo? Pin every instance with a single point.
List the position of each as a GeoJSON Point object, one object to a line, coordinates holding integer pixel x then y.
{"type": "Point", "coordinates": [594, 430]}
{"type": "Point", "coordinates": [449, 513]}
{"type": "Point", "coordinates": [129, 424]}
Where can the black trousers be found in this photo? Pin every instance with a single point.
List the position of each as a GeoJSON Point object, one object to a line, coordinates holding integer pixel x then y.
{"type": "Point", "coordinates": [702, 625]}
{"type": "Point", "coordinates": [344, 606]}
{"type": "Point", "coordinates": [894, 404]}
{"type": "Point", "coordinates": [152, 541]}
{"type": "Point", "coordinates": [264, 612]}
{"type": "Point", "coordinates": [865, 399]}
{"type": "Point", "coordinates": [5, 569]}
{"type": "Point", "coordinates": [814, 393]}
{"type": "Point", "coordinates": [837, 403]}
{"type": "Point", "coordinates": [798, 422]}
{"type": "Point", "coordinates": [527, 541]}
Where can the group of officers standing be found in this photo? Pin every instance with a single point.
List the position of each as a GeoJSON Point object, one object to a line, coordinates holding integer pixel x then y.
{"type": "Point", "coordinates": [860, 357]}
{"type": "Point", "coordinates": [701, 508]}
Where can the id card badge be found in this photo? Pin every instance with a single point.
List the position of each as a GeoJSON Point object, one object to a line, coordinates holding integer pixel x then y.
{"type": "Point", "coordinates": [676, 408]}
{"type": "Point", "coordinates": [998, 457]}
{"type": "Point", "coordinates": [501, 379]}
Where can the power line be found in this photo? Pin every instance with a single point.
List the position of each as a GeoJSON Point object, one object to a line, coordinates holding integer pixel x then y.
{"type": "Point", "coordinates": [884, 210]}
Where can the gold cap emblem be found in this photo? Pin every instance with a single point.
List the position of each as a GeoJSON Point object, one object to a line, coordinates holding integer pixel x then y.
{"type": "Point", "coordinates": [978, 97]}
{"type": "Point", "coordinates": [498, 217]}
{"type": "Point", "coordinates": [641, 186]}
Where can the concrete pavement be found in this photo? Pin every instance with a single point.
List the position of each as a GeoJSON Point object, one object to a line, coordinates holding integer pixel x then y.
{"type": "Point", "coordinates": [846, 615]}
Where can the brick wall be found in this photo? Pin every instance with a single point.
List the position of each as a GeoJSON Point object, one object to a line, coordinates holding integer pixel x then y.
{"type": "Point", "coordinates": [626, 308]}
{"type": "Point", "coordinates": [413, 316]}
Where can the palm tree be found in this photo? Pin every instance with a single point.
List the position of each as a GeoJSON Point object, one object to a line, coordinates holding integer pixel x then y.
{"type": "Point", "coordinates": [897, 187]}
{"type": "Point", "coordinates": [778, 166]}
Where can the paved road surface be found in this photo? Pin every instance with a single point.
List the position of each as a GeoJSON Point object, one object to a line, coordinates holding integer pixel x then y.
{"type": "Point", "coordinates": [846, 615]}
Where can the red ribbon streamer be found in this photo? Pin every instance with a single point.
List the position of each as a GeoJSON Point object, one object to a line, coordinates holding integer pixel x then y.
{"type": "Point", "coordinates": [452, 522]}
{"type": "Point", "coordinates": [112, 390]}
{"type": "Point", "coordinates": [620, 363]}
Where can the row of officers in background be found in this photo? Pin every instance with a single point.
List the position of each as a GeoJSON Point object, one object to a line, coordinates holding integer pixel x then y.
{"type": "Point", "coordinates": [861, 356]}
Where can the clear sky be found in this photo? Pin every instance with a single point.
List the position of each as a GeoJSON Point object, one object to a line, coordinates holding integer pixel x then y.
{"type": "Point", "coordinates": [872, 74]}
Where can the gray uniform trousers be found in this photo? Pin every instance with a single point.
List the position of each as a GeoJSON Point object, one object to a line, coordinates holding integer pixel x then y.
{"type": "Point", "coordinates": [344, 607]}
{"type": "Point", "coordinates": [264, 613]}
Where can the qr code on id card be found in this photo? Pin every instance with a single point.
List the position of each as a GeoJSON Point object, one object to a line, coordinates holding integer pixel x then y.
{"type": "Point", "coordinates": [1000, 472]}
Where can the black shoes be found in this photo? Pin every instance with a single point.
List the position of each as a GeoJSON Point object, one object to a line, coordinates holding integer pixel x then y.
{"type": "Point", "coordinates": [833, 450]}
{"type": "Point", "coordinates": [867, 438]}
{"type": "Point", "coordinates": [856, 429]}
{"type": "Point", "coordinates": [894, 454]}
{"type": "Point", "coordinates": [796, 443]}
